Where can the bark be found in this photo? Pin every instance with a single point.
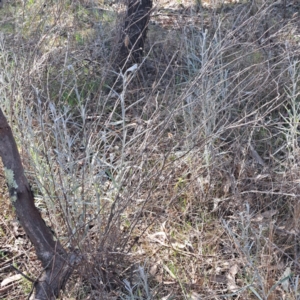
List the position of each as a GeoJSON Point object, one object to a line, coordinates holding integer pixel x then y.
{"type": "Point", "coordinates": [57, 263]}
{"type": "Point", "coordinates": [134, 33]}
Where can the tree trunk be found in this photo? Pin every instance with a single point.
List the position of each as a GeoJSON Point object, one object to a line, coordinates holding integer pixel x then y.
{"type": "Point", "coordinates": [57, 263]}
{"type": "Point", "coordinates": [134, 33]}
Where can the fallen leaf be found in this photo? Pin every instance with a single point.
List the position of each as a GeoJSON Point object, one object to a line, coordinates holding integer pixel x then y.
{"type": "Point", "coordinates": [10, 279]}
{"type": "Point", "coordinates": [231, 285]}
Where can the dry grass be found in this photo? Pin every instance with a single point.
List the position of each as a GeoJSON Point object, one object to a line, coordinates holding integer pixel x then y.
{"type": "Point", "coordinates": [178, 181]}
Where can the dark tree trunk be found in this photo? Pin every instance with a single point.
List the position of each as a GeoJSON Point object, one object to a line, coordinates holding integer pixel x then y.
{"type": "Point", "coordinates": [134, 33]}
{"type": "Point", "coordinates": [57, 263]}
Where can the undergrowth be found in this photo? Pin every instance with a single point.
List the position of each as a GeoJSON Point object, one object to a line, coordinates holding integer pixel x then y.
{"type": "Point", "coordinates": [178, 179]}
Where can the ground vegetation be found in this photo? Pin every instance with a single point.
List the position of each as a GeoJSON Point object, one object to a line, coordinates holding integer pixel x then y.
{"type": "Point", "coordinates": [176, 180]}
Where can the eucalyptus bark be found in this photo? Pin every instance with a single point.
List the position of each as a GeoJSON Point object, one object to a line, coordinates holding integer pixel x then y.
{"type": "Point", "coordinates": [57, 263]}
